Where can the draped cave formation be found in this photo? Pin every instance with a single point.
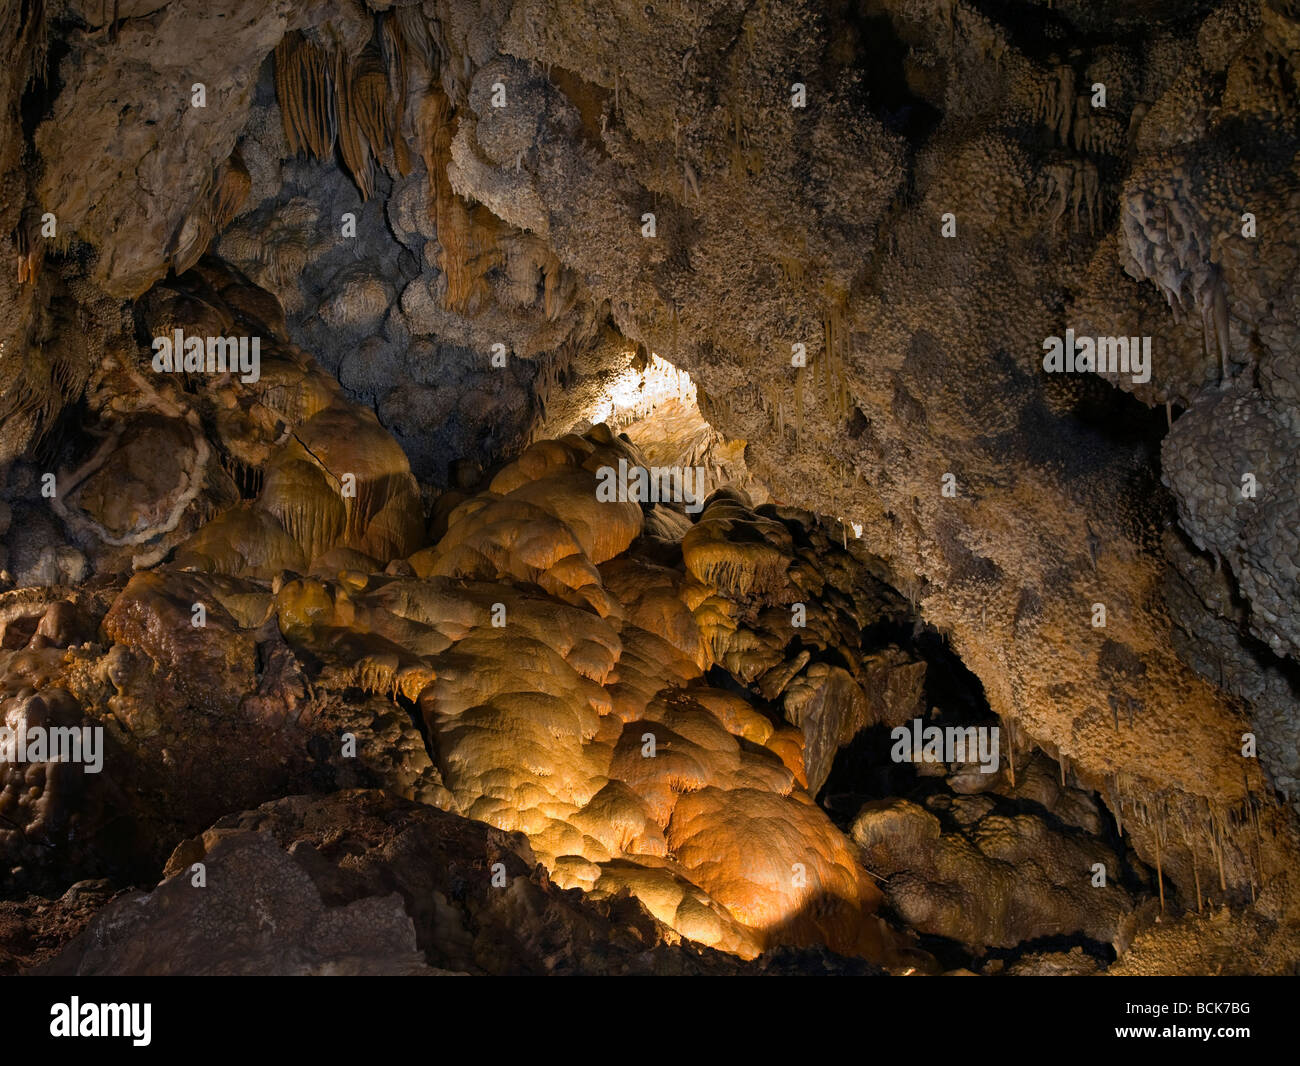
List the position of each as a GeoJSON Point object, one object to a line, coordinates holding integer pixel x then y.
{"type": "Point", "coordinates": [377, 659]}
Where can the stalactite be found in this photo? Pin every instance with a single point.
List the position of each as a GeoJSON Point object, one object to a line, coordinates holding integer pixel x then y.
{"type": "Point", "coordinates": [31, 246]}
{"type": "Point", "coordinates": [798, 408]}
{"type": "Point", "coordinates": [218, 202]}
{"type": "Point", "coordinates": [834, 349]}
{"type": "Point", "coordinates": [418, 36]}
{"type": "Point", "coordinates": [559, 289]}
{"type": "Point", "coordinates": [1216, 827]}
{"type": "Point", "coordinates": [466, 240]}
{"type": "Point", "coordinates": [288, 90]}
{"type": "Point", "coordinates": [1118, 807]}
{"type": "Point", "coordinates": [325, 98]}
{"type": "Point", "coordinates": [353, 146]}
{"type": "Point", "coordinates": [1160, 876]}
{"type": "Point", "coordinates": [1259, 858]}
{"type": "Point", "coordinates": [233, 187]}
{"type": "Point", "coordinates": [690, 182]}
{"type": "Point", "coordinates": [305, 90]}
{"type": "Point", "coordinates": [370, 105]}
{"type": "Point", "coordinates": [1056, 101]}
{"type": "Point", "coordinates": [1187, 827]}
{"type": "Point", "coordinates": [1211, 298]}
{"type": "Point", "coordinates": [394, 43]}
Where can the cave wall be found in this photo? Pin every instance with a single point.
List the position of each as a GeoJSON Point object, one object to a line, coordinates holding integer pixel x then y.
{"type": "Point", "coordinates": [820, 225]}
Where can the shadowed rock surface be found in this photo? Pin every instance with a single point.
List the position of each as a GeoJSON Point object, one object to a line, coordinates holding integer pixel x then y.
{"type": "Point", "coordinates": [362, 883]}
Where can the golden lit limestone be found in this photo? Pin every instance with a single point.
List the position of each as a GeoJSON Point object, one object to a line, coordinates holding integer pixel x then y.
{"type": "Point", "coordinates": [559, 674]}
{"type": "Point", "coordinates": [597, 737]}
{"type": "Point", "coordinates": [737, 551]}
{"type": "Point", "coordinates": [540, 522]}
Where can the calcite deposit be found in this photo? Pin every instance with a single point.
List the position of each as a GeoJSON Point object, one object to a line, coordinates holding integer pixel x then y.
{"type": "Point", "coordinates": [375, 623]}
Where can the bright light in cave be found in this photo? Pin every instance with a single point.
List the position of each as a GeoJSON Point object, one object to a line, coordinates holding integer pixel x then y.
{"type": "Point", "coordinates": [636, 393]}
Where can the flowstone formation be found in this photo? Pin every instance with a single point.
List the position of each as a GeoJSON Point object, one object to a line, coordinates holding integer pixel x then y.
{"type": "Point", "coordinates": [801, 268]}
{"type": "Point", "coordinates": [558, 673]}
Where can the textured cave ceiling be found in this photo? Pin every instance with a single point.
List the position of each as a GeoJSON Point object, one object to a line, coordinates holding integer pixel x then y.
{"type": "Point", "coordinates": [492, 247]}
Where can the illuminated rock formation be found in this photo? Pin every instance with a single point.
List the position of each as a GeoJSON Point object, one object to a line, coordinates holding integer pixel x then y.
{"type": "Point", "coordinates": [591, 731]}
